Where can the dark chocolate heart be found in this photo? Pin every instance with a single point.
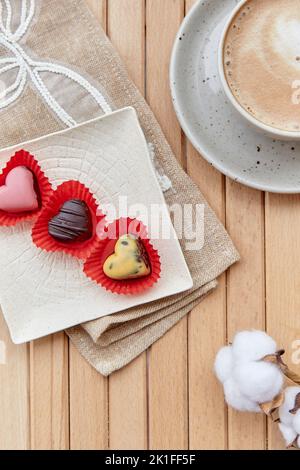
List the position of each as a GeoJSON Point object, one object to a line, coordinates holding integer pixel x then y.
{"type": "Point", "coordinates": [73, 223]}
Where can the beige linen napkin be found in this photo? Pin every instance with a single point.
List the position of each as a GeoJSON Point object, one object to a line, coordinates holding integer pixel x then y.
{"type": "Point", "coordinates": [63, 32]}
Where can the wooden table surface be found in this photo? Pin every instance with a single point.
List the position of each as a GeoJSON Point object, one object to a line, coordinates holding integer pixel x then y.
{"type": "Point", "coordinates": [50, 398]}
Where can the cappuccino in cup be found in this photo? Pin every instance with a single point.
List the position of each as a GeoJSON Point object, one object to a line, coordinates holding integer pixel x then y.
{"type": "Point", "coordinates": [261, 61]}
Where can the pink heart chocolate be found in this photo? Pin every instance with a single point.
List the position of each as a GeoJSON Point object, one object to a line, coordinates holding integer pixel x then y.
{"type": "Point", "coordinates": [18, 194]}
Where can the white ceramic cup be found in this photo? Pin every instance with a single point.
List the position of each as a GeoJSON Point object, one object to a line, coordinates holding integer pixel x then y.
{"type": "Point", "coordinates": [260, 126]}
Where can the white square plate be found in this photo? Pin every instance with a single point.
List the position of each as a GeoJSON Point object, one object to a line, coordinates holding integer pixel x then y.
{"type": "Point", "coordinates": [42, 293]}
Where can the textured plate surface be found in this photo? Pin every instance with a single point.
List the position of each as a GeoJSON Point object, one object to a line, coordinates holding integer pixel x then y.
{"type": "Point", "coordinates": [211, 123]}
{"type": "Point", "coordinates": [42, 293]}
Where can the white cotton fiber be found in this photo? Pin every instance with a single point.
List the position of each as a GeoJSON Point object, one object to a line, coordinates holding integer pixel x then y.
{"type": "Point", "coordinates": [290, 422]}
{"type": "Point", "coordinates": [290, 394]}
{"type": "Point", "coordinates": [259, 381]}
{"type": "Point", "coordinates": [248, 380]}
{"type": "Point", "coordinates": [236, 400]}
{"type": "Point", "coordinates": [253, 345]}
{"type": "Point", "coordinates": [288, 434]}
{"type": "Point", "coordinates": [296, 423]}
{"type": "Point", "coordinates": [224, 363]}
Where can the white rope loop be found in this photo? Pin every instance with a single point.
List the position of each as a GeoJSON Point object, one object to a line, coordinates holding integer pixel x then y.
{"type": "Point", "coordinates": [31, 68]}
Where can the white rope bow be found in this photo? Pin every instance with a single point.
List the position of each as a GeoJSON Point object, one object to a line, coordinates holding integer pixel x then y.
{"type": "Point", "coordinates": [27, 67]}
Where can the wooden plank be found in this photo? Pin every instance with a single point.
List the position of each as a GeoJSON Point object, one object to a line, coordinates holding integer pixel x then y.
{"type": "Point", "coordinates": [128, 424]}
{"type": "Point", "coordinates": [207, 411]}
{"type": "Point", "coordinates": [168, 410]}
{"type": "Point", "coordinates": [163, 21]}
{"type": "Point", "coordinates": [88, 388]}
{"type": "Point", "coordinates": [99, 9]}
{"type": "Point", "coordinates": [283, 282]}
{"type": "Point", "coordinates": [207, 327]}
{"type": "Point", "coordinates": [49, 398]}
{"type": "Point", "coordinates": [126, 19]}
{"type": "Point", "coordinates": [14, 396]}
{"type": "Point", "coordinates": [246, 294]}
{"type": "Point", "coordinates": [207, 332]}
{"type": "Point", "coordinates": [88, 405]}
{"type": "Point", "coordinates": [246, 281]}
{"type": "Point", "coordinates": [128, 406]}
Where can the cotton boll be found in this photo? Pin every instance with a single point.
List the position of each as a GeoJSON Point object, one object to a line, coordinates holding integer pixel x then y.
{"type": "Point", "coordinates": [288, 433]}
{"type": "Point", "coordinates": [224, 363]}
{"type": "Point", "coordinates": [290, 394]}
{"type": "Point", "coordinates": [258, 381]}
{"type": "Point", "coordinates": [285, 416]}
{"type": "Point", "coordinates": [235, 399]}
{"type": "Point", "coordinates": [290, 423]}
{"type": "Point", "coordinates": [253, 345]}
{"type": "Point", "coordinates": [296, 422]}
{"type": "Point", "coordinates": [248, 380]}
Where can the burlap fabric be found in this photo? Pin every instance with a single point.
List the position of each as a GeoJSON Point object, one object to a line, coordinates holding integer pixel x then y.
{"type": "Point", "coordinates": [65, 32]}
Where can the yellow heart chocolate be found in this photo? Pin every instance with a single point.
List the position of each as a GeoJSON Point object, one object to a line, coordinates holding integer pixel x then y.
{"type": "Point", "coordinates": [129, 261]}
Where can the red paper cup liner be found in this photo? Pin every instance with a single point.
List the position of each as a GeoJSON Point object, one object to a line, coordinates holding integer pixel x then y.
{"type": "Point", "coordinates": [108, 237]}
{"type": "Point", "coordinates": [65, 192]}
{"type": "Point", "coordinates": [42, 187]}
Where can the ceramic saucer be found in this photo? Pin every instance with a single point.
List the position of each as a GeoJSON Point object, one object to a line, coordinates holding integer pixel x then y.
{"type": "Point", "coordinates": [211, 123]}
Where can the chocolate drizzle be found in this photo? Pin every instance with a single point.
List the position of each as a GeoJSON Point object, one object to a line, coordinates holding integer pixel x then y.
{"type": "Point", "coordinates": [73, 223]}
{"type": "Point", "coordinates": [142, 254]}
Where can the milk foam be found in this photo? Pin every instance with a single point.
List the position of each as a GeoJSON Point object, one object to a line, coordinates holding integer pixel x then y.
{"type": "Point", "coordinates": [262, 61]}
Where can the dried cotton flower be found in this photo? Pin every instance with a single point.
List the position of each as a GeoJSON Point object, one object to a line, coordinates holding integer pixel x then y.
{"type": "Point", "coordinates": [247, 379]}
{"type": "Point", "coordinates": [289, 415]}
